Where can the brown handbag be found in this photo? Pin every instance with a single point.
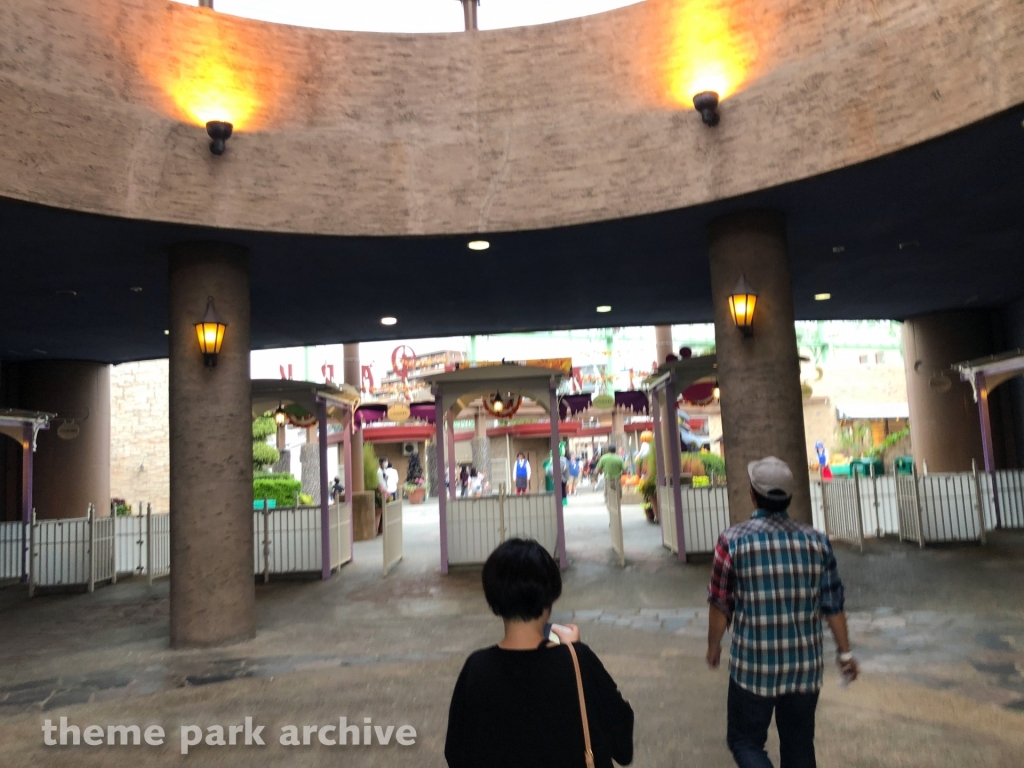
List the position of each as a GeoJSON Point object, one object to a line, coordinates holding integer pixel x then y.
{"type": "Point", "coordinates": [589, 753]}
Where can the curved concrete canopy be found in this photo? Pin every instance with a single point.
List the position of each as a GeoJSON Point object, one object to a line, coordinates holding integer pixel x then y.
{"type": "Point", "coordinates": [953, 203]}
{"type": "Point", "coordinates": [519, 129]}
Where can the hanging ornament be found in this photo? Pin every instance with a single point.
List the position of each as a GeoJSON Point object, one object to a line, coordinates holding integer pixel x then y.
{"type": "Point", "coordinates": [502, 407]}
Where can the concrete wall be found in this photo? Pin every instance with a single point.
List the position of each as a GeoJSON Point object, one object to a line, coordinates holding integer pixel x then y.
{"type": "Point", "coordinates": [139, 448]}
{"type": "Point", "coordinates": [70, 473]}
{"type": "Point", "coordinates": [582, 120]}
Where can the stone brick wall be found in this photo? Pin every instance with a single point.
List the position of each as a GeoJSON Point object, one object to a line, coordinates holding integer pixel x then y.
{"type": "Point", "coordinates": [139, 434]}
{"type": "Point", "coordinates": [533, 127]}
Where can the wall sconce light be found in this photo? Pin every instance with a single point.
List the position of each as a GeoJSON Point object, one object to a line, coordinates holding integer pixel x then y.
{"type": "Point", "coordinates": [210, 331]}
{"type": "Point", "coordinates": [498, 405]}
{"type": "Point", "coordinates": [706, 102]}
{"type": "Point", "coordinates": [716, 393]}
{"type": "Point", "coordinates": [220, 132]}
{"type": "Point", "coordinates": [742, 301]}
{"type": "Point", "coordinates": [280, 416]}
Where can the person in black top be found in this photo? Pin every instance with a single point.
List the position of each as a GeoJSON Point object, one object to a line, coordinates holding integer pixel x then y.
{"type": "Point", "coordinates": [515, 704]}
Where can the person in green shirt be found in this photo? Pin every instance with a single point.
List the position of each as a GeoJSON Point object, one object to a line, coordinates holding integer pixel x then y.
{"type": "Point", "coordinates": [611, 466]}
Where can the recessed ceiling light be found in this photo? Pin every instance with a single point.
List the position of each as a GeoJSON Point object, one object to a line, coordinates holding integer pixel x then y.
{"type": "Point", "coordinates": [822, 296]}
{"type": "Point", "coordinates": [909, 244]}
{"type": "Point", "coordinates": [604, 308]}
{"type": "Point", "coordinates": [167, 333]}
{"type": "Point", "coordinates": [40, 351]}
{"type": "Point", "coordinates": [479, 245]}
{"type": "Point", "coordinates": [67, 293]}
{"type": "Point", "coordinates": [388, 321]}
{"type": "Point", "coordinates": [838, 248]}
{"type": "Point", "coordinates": [136, 289]}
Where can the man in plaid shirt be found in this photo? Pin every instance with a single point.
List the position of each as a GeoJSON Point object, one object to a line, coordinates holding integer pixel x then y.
{"type": "Point", "coordinates": [774, 579]}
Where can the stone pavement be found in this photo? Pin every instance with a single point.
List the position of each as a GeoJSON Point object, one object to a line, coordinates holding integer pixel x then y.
{"type": "Point", "coordinates": [940, 633]}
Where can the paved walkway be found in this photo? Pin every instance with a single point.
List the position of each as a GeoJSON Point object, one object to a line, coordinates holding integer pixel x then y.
{"type": "Point", "coordinates": [940, 632]}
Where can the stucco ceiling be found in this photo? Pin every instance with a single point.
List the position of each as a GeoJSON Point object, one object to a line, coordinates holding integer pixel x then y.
{"type": "Point", "coordinates": [955, 204]}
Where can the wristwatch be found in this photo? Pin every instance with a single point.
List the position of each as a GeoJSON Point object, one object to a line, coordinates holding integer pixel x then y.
{"type": "Point", "coordinates": [844, 657]}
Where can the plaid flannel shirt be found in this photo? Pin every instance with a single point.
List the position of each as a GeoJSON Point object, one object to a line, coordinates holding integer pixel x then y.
{"type": "Point", "coordinates": [773, 578]}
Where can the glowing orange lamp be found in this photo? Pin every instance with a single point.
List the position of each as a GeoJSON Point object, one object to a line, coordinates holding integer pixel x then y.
{"type": "Point", "coordinates": [210, 331]}
{"type": "Point", "coordinates": [742, 301]}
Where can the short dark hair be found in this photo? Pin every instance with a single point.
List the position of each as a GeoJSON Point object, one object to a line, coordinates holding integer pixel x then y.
{"type": "Point", "coordinates": [520, 454]}
{"type": "Point", "coordinates": [775, 501]}
{"type": "Point", "coordinates": [610, 449]}
{"type": "Point", "coordinates": [521, 579]}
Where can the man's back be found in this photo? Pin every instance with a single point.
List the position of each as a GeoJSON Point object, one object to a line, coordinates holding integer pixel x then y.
{"type": "Point", "coordinates": [775, 577]}
{"type": "Point", "coordinates": [611, 465]}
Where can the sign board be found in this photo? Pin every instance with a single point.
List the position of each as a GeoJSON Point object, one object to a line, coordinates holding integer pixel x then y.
{"type": "Point", "coordinates": [603, 402]}
{"type": "Point", "coordinates": [561, 364]}
{"type": "Point", "coordinates": [68, 430]}
{"type": "Point", "coordinates": [399, 412]}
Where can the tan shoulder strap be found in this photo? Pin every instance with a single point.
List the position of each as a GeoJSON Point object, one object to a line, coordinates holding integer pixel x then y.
{"type": "Point", "coordinates": [589, 754]}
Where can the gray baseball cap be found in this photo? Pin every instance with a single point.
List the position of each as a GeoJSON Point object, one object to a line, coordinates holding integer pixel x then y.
{"type": "Point", "coordinates": [771, 477]}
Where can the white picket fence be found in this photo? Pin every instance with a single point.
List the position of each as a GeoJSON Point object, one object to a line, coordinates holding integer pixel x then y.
{"type": "Point", "coordinates": [290, 539]}
{"type": "Point", "coordinates": [143, 546]}
{"type": "Point", "coordinates": [705, 516]}
{"type": "Point", "coordinates": [927, 509]}
{"type": "Point", "coordinates": [71, 551]}
{"type": "Point", "coordinates": [13, 542]}
{"type": "Point", "coordinates": [476, 526]}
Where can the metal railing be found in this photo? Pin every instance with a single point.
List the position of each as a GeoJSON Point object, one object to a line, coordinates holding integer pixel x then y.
{"type": "Point", "coordinates": [287, 540]}
{"type": "Point", "coordinates": [842, 512]}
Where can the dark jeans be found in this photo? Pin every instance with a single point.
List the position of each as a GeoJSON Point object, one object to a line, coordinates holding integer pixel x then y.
{"type": "Point", "coordinates": [749, 718]}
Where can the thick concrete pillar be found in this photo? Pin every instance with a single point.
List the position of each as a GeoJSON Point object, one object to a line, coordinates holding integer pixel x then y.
{"type": "Point", "coordinates": [353, 375]}
{"type": "Point", "coordinates": [759, 375]}
{"type": "Point", "coordinates": [944, 426]}
{"type": "Point", "coordinates": [212, 587]}
{"type": "Point", "coordinates": [71, 465]}
{"type": "Point", "coordinates": [663, 342]}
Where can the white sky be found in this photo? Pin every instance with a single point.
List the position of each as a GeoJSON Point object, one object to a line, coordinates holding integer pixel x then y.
{"type": "Point", "coordinates": [410, 15]}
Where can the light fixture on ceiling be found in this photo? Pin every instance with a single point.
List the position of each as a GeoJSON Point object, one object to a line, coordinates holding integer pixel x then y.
{"type": "Point", "coordinates": [220, 132]}
{"type": "Point", "coordinates": [742, 301]}
{"type": "Point", "coordinates": [136, 289]}
{"type": "Point", "coordinates": [497, 404]}
{"type": "Point", "coordinates": [167, 332]}
{"type": "Point", "coordinates": [604, 308]}
{"type": "Point", "coordinates": [478, 245]}
{"type": "Point", "coordinates": [907, 244]}
{"type": "Point", "coordinates": [68, 293]}
{"type": "Point", "coordinates": [822, 296]}
{"type": "Point", "coordinates": [210, 331]}
{"type": "Point", "coordinates": [838, 248]}
{"type": "Point", "coordinates": [388, 320]}
{"type": "Point", "coordinates": [706, 102]}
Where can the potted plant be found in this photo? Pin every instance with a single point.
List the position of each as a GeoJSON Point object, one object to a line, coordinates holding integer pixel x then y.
{"type": "Point", "coordinates": [416, 490]}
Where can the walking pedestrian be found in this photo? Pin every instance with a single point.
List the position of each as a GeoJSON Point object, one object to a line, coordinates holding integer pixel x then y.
{"type": "Point", "coordinates": [774, 580]}
{"type": "Point", "coordinates": [527, 701]}
{"type": "Point", "coordinates": [611, 466]}
{"type": "Point", "coordinates": [574, 474]}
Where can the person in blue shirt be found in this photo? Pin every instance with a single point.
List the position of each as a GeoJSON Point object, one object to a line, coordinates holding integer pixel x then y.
{"type": "Point", "coordinates": [574, 474]}
{"type": "Point", "coordinates": [521, 473]}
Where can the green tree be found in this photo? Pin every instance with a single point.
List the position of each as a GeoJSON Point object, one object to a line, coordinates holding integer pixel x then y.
{"type": "Point", "coordinates": [263, 454]}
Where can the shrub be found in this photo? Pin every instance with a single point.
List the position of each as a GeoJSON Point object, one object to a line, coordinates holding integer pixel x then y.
{"type": "Point", "coordinates": [370, 466]}
{"type": "Point", "coordinates": [263, 454]}
{"type": "Point", "coordinates": [281, 487]}
{"type": "Point", "coordinates": [713, 463]}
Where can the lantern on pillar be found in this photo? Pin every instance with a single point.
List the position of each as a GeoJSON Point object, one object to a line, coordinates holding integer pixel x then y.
{"type": "Point", "coordinates": [280, 416]}
{"type": "Point", "coordinates": [742, 301]}
{"type": "Point", "coordinates": [210, 331]}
